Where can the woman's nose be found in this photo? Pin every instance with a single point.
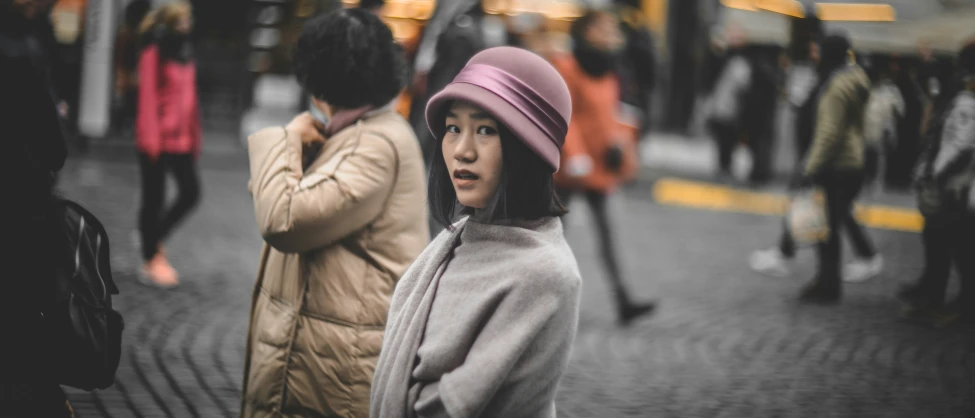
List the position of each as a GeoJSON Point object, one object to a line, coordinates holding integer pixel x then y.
{"type": "Point", "coordinates": [464, 150]}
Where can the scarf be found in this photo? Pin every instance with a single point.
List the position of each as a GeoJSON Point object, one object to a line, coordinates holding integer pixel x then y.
{"type": "Point", "coordinates": [340, 120]}
{"type": "Point", "coordinates": [461, 288]}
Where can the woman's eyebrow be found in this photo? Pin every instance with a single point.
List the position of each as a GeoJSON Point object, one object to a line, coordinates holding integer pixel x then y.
{"type": "Point", "coordinates": [451, 114]}
{"type": "Point", "coordinates": [482, 116]}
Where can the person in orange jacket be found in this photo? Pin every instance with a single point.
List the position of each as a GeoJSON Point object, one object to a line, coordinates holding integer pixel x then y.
{"type": "Point", "coordinates": [599, 152]}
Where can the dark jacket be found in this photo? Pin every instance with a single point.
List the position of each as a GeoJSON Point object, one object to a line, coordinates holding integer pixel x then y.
{"type": "Point", "coordinates": [33, 150]}
{"type": "Point", "coordinates": [838, 141]}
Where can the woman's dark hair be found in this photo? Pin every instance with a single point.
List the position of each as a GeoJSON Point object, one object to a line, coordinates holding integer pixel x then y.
{"type": "Point", "coordinates": [348, 58]}
{"type": "Point", "coordinates": [526, 192]}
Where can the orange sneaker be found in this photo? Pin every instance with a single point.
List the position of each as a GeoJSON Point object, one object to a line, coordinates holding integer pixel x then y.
{"type": "Point", "coordinates": [158, 273]}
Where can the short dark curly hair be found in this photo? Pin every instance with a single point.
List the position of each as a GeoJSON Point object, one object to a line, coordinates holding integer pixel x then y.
{"type": "Point", "coordinates": [348, 58]}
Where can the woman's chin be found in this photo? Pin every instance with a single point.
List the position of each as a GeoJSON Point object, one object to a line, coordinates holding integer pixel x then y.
{"type": "Point", "coordinates": [470, 202]}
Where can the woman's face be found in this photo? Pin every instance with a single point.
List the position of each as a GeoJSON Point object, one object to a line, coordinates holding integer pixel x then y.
{"type": "Point", "coordinates": [472, 151]}
{"type": "Point", "coordinates": [604, 33]}
{"type": "Point", "coordinates": [184, 24]}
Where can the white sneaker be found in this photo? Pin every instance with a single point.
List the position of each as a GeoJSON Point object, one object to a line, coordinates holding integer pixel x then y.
{"type": "Point", "coordinates": [861, 270]}
{"type": "Point", "coordinates": [771, 262]}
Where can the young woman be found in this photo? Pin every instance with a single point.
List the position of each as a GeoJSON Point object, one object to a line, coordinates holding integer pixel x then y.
{"type": "Point", "coordinates": [598, 154]}
{"type": "Point", "coordinates": [167, 133]}
{"type": "Point", "coordinates": [482, 323]}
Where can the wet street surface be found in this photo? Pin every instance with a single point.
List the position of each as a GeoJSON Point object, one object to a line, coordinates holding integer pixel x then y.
{"type": "Point", "coordinates": [726, 342]}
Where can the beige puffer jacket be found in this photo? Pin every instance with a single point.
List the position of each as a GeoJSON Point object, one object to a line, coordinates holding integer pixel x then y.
{"type": "Point", "coordinates": [339, 235]}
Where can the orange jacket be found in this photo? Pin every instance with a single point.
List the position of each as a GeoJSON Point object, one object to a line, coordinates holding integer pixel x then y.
{"type": "Point", "coordinates": [593, 131]}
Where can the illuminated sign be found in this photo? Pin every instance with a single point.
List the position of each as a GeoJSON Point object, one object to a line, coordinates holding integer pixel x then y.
{"type": "Point", "coordinates": [856, 12]}
{"type": "Point", "coordinates": [851, 12]}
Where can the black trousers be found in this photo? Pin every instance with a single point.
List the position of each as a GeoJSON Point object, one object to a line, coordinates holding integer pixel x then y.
{"type": "Point", "coordinates": [841, 189]}
{"type": "Point", "coordinates": [726, 137]}
{"type": "Point", "coordinates": [948, 239]}
{"type": "Point", "coordinates": [607, 246]}
{"type": "Point", "coordinates": [156, 223]}
{"type": "Point", "coordinates": [759, 143]}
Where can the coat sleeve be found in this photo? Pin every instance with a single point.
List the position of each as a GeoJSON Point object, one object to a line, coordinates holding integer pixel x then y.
{"type": "Point", "coordinates": [957, 141]}
{"type": "Point", "coordinates": [542, 307]}
{"type": "Point", "coordinates": [830, 127]}
{"type": "Point", "coordinates": [147, 123]}
{"type": "Point", "coordinates": [298, 212]}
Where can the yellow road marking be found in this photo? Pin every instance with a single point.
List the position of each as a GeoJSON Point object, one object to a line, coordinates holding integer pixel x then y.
{"type": "Point", "coordinates": [699, 195]}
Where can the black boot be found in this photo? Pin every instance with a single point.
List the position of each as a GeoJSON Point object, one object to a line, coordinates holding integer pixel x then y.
{"type": "Point", "coordinates": [629, 311]}
{"type": "Point", "coordinates": [817, 293]}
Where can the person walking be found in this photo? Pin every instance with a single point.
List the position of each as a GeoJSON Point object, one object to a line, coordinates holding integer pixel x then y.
{"type": "Point", "coordinates": [482, 323]}
{"type": "Point", "coordinates": [805, 88]}
{"type": "Point", "coordinates": [944, 182]}
{"type": "Point", "coordinates": [835, 163]}
{"type": "Point", "coordinates": [168, 133]}
{"type": "Point", "coordinates": [639, 63]}
{"type": "Point", "coordinates": [725, 112]}
{"type": "Point", "coordinates": [598, 153]}
{"type": "Point", "coordinates": [341, 208]}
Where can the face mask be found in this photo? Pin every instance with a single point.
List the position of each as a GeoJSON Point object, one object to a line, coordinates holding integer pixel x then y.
{"type": "Point", "coordinates": [317, 113]}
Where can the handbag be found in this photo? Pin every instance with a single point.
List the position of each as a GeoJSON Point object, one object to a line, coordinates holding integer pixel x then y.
{"type": "Point", "coordinates": [82, 329]}
{"type": "Point", "coordinates": [806, 218]}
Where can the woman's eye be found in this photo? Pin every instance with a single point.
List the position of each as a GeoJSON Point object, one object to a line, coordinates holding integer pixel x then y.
{"type": "Point", "coordinates": [453, 129]}
{"type": "Point", "coordinates": [486, 131]}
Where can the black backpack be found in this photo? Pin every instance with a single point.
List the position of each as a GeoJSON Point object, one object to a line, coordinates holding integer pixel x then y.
{"type": "Point", "coordinates": [84, 332]}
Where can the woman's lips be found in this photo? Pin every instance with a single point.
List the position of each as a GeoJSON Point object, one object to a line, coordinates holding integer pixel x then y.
{"type": "Point", "coordinates": [464, 178]}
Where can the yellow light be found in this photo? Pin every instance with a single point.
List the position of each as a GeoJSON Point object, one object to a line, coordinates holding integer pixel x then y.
{"type": "Point", "coordinates": [856, 12]}
{"type": "Point", "coordinates": [786, 7]}
{"type": "Point", "coordinates": [740, 4]}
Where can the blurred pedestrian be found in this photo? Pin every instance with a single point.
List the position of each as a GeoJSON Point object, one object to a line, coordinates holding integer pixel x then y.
{"type": "Point", "coordinates": [639, 62]}
{"type": "Point", "coordinates": [167, 133]}
{"type": "Point", "coordinates": [835, 163]}
{"type": "Point", "coordinates": [945, 180]}
{"type": "Point", "coordinates": [885, 109]}
{"type": "Point", "coordinates": [340, 203]}
{"type": "Point", "coordinates": [598, 154]}
{"type": "Point", "coordinates": [454, 34]}
{"type": "Point", "coordinates": [482, 323]}
{"type": "Point", "coordinates": [34, 150]}
{"type": "Point", "coordinates": [726, 106]}
{"type": "Point", "coordinates": [126, 63]}
{"type": "Point", "coordinates": [905, 155]}
{"type": "Point", "coordinates": [805, 89]}
{"type": "Point", "coordinates": [759, 107]}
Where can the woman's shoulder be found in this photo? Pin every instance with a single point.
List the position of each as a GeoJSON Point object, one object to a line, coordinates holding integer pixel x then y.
{"type": "Point", "coordinates": [546, 263]}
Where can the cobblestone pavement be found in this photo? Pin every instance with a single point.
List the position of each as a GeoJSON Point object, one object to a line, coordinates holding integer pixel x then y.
{"type": "Point", "coordinates": [725, 343]}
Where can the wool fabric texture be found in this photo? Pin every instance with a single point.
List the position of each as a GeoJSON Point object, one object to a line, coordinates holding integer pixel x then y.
{"type": "Point", "coordinates": [481, 324]}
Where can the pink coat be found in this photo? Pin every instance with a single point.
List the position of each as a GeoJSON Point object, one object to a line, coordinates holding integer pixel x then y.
{"type": "Point", "coordinates": [168, 121]}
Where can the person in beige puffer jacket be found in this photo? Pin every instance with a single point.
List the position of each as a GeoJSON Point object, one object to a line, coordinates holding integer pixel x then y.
{"type": "Point", "coordinates": [342, 208]}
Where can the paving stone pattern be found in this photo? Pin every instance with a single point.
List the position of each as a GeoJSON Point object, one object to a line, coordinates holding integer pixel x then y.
{"type": "Point", "coordinates": [725, 343]}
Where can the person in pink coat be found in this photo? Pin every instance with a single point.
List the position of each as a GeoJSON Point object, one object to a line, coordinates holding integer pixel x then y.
{"type": "Point", "coordinates": [167, 133]}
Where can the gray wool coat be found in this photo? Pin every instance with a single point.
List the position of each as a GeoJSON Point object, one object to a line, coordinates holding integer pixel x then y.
{"type": "Point", "coordinates": [481, 325]}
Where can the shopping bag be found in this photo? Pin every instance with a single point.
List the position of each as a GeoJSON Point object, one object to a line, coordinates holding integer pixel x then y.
{"type": "Point", "coordinates": [806, 217]}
